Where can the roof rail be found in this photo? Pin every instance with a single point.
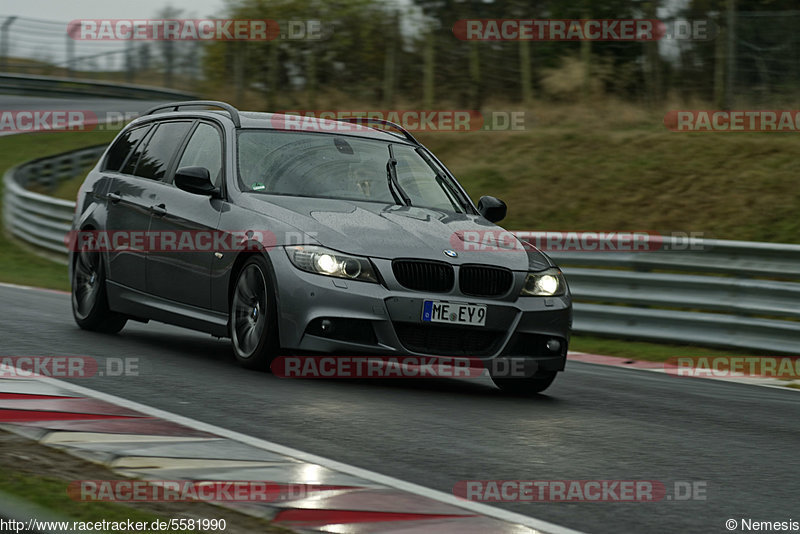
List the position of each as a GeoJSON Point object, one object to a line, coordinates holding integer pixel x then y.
{"type": "Point", "coordinates": [382, 122]}
{"type": "Point", "coordinates": [223, 105]}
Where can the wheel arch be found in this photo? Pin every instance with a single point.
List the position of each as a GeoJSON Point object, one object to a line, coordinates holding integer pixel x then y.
{"type": "Point", "coordinates": [253, 249]}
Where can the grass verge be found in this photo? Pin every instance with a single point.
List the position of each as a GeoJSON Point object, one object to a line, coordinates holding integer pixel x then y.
{"type": "Point", "coordinates": [642, 350]}
{"type": "Point", "coordinates": [40, 475]}
{"type": "Point", "coordinates": [610, 166]}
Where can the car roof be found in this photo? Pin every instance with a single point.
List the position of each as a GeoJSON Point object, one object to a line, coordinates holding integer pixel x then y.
{"type": "Point", "coordinates": [252, 120]}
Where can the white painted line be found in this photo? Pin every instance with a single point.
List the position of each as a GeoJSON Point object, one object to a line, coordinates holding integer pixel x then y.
{"type": "Point", "coordinates": [76, 436]}
{"type": "Point", "coordinates": [154, 462]}
{"type": "Point", "coordinates": [476, 507]}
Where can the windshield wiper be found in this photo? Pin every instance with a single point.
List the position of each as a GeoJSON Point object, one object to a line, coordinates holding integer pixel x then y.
{"type": "Point", "coordinates": [394, 185]}
{"type": "Point", "coordinates": [452, 195]}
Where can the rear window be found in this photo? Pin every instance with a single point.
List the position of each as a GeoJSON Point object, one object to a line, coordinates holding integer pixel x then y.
{"type": "Point", "coordinates": [123, 147]}
{"type": "Point", "coordinates": [150, 157]}
{"type": "Point", "coordinates": [160, 148]}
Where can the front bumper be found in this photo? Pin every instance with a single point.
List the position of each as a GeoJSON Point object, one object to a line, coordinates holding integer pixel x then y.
{"type": "Point", "coordinates": [331, 315]}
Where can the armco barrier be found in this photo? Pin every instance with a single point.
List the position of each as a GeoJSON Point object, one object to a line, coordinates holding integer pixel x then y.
{"type": "Point", "coordinates": [39, 219]}
{"type": "Point", "coordinates": [30, 85]}
{"type": "Point", "coordinates": [714, 292]}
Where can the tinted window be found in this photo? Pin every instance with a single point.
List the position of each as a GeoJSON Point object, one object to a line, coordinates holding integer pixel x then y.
{"type": "Point", "coordinates": [161, 148]}
{"type": "Point", "coordinates": [130, 164]}
{"type": "Point", "coordinates": [123, 147]}
{"type": "Point", "coordinates": [204, 150]}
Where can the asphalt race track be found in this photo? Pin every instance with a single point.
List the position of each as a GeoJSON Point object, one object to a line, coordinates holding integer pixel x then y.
{"type": "Point", "coordinates": [593, 423]}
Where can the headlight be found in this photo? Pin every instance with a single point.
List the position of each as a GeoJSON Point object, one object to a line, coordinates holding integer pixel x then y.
{"type": "Point", "coordinates": [320, 260]}
{"type": "Point", "coordinates": [547, 283]}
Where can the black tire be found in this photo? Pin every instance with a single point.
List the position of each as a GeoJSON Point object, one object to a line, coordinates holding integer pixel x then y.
{"type": "Point", "coordinates": [526, 386]}
{"type": "Point", "coordinates": [253, 319]}
{"type": "Point", "coordinates": [89, 298]}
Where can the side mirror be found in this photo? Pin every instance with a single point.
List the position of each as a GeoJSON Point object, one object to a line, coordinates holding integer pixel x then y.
{"type": "Point", "coordinates": [196, 180]}
{"type": "Point", "coordinates": [493, 209]}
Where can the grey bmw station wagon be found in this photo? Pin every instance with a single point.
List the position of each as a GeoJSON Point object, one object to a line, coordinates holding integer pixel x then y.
{"type": "Point", "coordinates": [337, 237]}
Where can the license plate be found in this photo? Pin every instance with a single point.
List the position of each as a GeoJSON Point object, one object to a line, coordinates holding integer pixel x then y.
{"type": "Point", "coordinates": [438, 311]}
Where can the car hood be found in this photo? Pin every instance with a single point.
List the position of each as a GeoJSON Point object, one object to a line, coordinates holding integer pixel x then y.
{"type": "Point", "coordinates": [389, 231]}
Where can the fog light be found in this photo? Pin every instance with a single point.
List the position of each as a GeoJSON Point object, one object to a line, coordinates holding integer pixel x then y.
{"type": "Point", "coordinates": [553, 345]}
{"type": "Point", "coordinates": [326, 326]}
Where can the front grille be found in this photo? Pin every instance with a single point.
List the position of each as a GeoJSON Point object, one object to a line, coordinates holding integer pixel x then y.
{"type": "Point", "coordinates": [482, 281]}
{"type": "Point", "coordinates": [420, 275]}
{"type": "Point", "coordinates": [448, 340]}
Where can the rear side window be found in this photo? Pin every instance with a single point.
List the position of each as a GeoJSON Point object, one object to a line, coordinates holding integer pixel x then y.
{"type": "Point", "coordinates": [204, 150]}
{"type": "Point", "coordinates": [123, 147]}
{"type": "Point", "coordinates": [159, 150]}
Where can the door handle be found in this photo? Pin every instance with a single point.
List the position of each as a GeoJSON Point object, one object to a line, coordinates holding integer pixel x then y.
{"type": "Point", "coordinates": [159, 211]}
{"type": "Point", "coordinates": [114, 197]}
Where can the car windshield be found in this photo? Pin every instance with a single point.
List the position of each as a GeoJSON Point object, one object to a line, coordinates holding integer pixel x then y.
{"type": "Point", "coordinates": [341, 167]}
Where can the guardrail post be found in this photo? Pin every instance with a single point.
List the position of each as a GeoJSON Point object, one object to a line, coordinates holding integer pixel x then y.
{"type": "Point", "coordinates": [70, 56]}
{"type": "Point", "coordinates": [129, 66]}
{"type": "Point", "coordinates": [169, 61]}
{"type": "Point", "coordinates": [5, 29]}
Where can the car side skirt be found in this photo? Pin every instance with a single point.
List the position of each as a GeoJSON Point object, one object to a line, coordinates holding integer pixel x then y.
{"type": "Point", "coordinates": [138, 304]}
